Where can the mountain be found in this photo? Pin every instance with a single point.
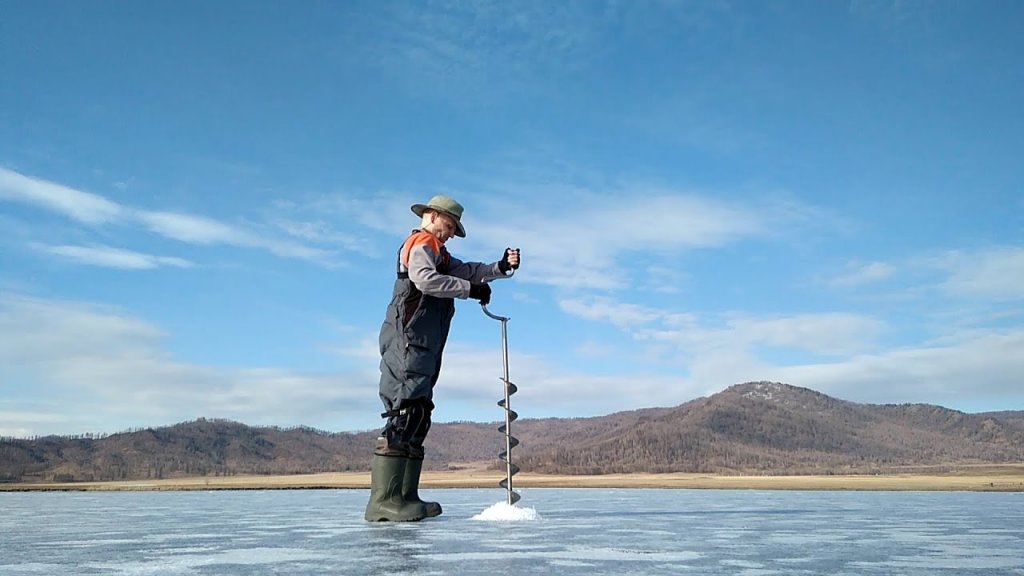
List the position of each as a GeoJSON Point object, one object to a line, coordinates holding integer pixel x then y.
{"type": "Point", "coordinates": [198, 448]}
{"type": "Point", "coordinates": [1013, 418]}
{"type": "Point", "coordinates": [769, 427]}
{"type": "Point", "coordinates": [753, 428]}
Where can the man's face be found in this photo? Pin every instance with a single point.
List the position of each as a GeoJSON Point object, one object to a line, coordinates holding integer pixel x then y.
{"type": "Point", "coordinates": [442, 226]}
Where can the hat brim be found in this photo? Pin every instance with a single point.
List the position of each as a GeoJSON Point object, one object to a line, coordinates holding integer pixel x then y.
{"type": "Point", "coordinates": [419, 209]}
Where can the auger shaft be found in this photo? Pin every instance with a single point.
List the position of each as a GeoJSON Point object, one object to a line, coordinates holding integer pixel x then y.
{"type": "Point", "coordinates": [510, 415]}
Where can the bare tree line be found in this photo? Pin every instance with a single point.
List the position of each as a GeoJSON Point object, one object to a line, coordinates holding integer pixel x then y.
{"type": "Point", "coordinates": [754, 428]}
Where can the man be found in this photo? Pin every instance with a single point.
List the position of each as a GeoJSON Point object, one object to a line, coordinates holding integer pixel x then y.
{"type": "Point", "coordinates": [412, 340]}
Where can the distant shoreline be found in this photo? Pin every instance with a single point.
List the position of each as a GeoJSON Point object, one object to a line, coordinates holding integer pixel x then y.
{"type": "Point", "coordinates": [1008, 478]}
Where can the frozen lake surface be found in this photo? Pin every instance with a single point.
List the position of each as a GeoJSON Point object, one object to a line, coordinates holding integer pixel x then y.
{"type": "Point", "coordinates": [575, 532]}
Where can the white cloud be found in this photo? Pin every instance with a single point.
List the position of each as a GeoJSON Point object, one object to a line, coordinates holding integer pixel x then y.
{"type": "Point", "coordinates": [593, 349]}
{"type": "Point", "coordinates": [194, 229]}
{"type": "Point", "coordinates": [12, 421]}
{"type": "Point", "coordinates": [830, 333]}
{"type": "Point", "coordinates": [321, 232]}
{"type": "Point", "coordinates": [103, 370]}
{"type": "Point", "coordinates": [471, 384]}
{"type": "Point", "coordinates": [739, 347]}
{"type": "Point", "coordinates": [189, 228]}
{"type": "Point", "coordinates": [471, 53]}
{"type": "Point", "coordinates": [993, 273]}
{"type": "Point", "coordinates": [571, 238]}
{"type": "Point", "coordinates": [460, 50]}
{"type": "Point", "coordinates": [91, 368]}
{"type": "Point", "coordinates": [665, 279]}
{"type": "Point", "coordinates": [201, 230]}
{"type": "Point", "coordinates": [984, 367]}
{"type": "Point", "coordinates": [106, 256]}
{"type": "Point", "coordinates": [660, 221]}
{"type": "Point", "coordinates": [619, 314]}
{"type": "Point", "coordinates": [583, 240]}
{"type": "Point", "coordinates": [981, 365]}
{"type": "Point", "coordinates": [861, 273]}
{"type": "Point", "coordinates": [81, 206]}
{"type": "Point", "coordinates": [575, 240]}
{"type": "Point", "coordinates": [833, 333]}
{"type": "Point", "coordinates": [558, 393]}
{"type": "Point", "coordinates": [339, 220]}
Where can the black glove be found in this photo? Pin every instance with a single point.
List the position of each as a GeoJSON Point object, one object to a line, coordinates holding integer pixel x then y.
{"type": "Point", "coordinates": [503, 265]}
{"type": "Point", "coordinates": [481, 292]}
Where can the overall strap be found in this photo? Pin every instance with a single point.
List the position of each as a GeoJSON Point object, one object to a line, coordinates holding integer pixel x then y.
{"type": "Point", "coordinates": [420, 238]}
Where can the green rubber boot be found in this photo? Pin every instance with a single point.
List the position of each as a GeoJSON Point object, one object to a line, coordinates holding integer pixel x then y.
{"type": "Point", "coordinates": [411, 485]}
{"type": "Point", "coordinates": [386, 503]}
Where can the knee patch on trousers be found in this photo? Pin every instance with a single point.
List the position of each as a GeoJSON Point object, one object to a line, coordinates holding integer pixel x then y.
{"type": "Point", "coordinates": [407, 427]}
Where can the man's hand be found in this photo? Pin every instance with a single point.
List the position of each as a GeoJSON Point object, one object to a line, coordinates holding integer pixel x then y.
{"type": "Point", "coordinates": [509, 261]}
{"type": "Point", "coordinates": [481, 292]}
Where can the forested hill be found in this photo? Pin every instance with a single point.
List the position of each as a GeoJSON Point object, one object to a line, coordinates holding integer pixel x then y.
{"type": "Point", "coordinates": [775, 428]}
{"type": "Point", "coordinates": [759, 427]}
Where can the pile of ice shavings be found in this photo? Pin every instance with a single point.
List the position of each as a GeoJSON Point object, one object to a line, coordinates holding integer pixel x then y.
{"type": "Point", "coordinates": [504, 512]}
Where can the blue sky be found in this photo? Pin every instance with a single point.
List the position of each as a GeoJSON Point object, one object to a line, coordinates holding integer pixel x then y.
{"type": "Point", "coordinates": [201, 203]}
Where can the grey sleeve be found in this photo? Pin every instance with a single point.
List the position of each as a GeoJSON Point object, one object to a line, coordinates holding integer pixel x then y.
{"type": "Point", "coordinates": [474, 271]}
{"type": "Point", "coordinates": [423, 273]}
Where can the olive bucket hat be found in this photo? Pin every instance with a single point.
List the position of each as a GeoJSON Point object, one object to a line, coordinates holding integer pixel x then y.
{"type": "Point", "coordinates": [444, 204]}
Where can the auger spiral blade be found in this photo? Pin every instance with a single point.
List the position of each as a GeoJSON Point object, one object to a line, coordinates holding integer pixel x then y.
{"type": "Point", "coordinates": [510, 415]}
{"type": "Point", "coordinates": [511, 440]}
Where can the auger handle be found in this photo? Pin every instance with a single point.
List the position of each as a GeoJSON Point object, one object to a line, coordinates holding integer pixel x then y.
{"type": "Point", "coordinates": [492, 315]}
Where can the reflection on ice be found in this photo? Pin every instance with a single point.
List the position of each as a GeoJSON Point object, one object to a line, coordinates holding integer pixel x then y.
{"type": "Point", "coordinates": [578, 532]}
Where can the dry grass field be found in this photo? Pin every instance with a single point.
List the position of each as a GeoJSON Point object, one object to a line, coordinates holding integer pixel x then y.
{"type": "Point", "coordinates": [1003, 478]}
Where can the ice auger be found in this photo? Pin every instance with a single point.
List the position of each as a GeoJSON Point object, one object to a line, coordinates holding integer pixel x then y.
{"type": "Point", "coordinates": [510, 415]}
